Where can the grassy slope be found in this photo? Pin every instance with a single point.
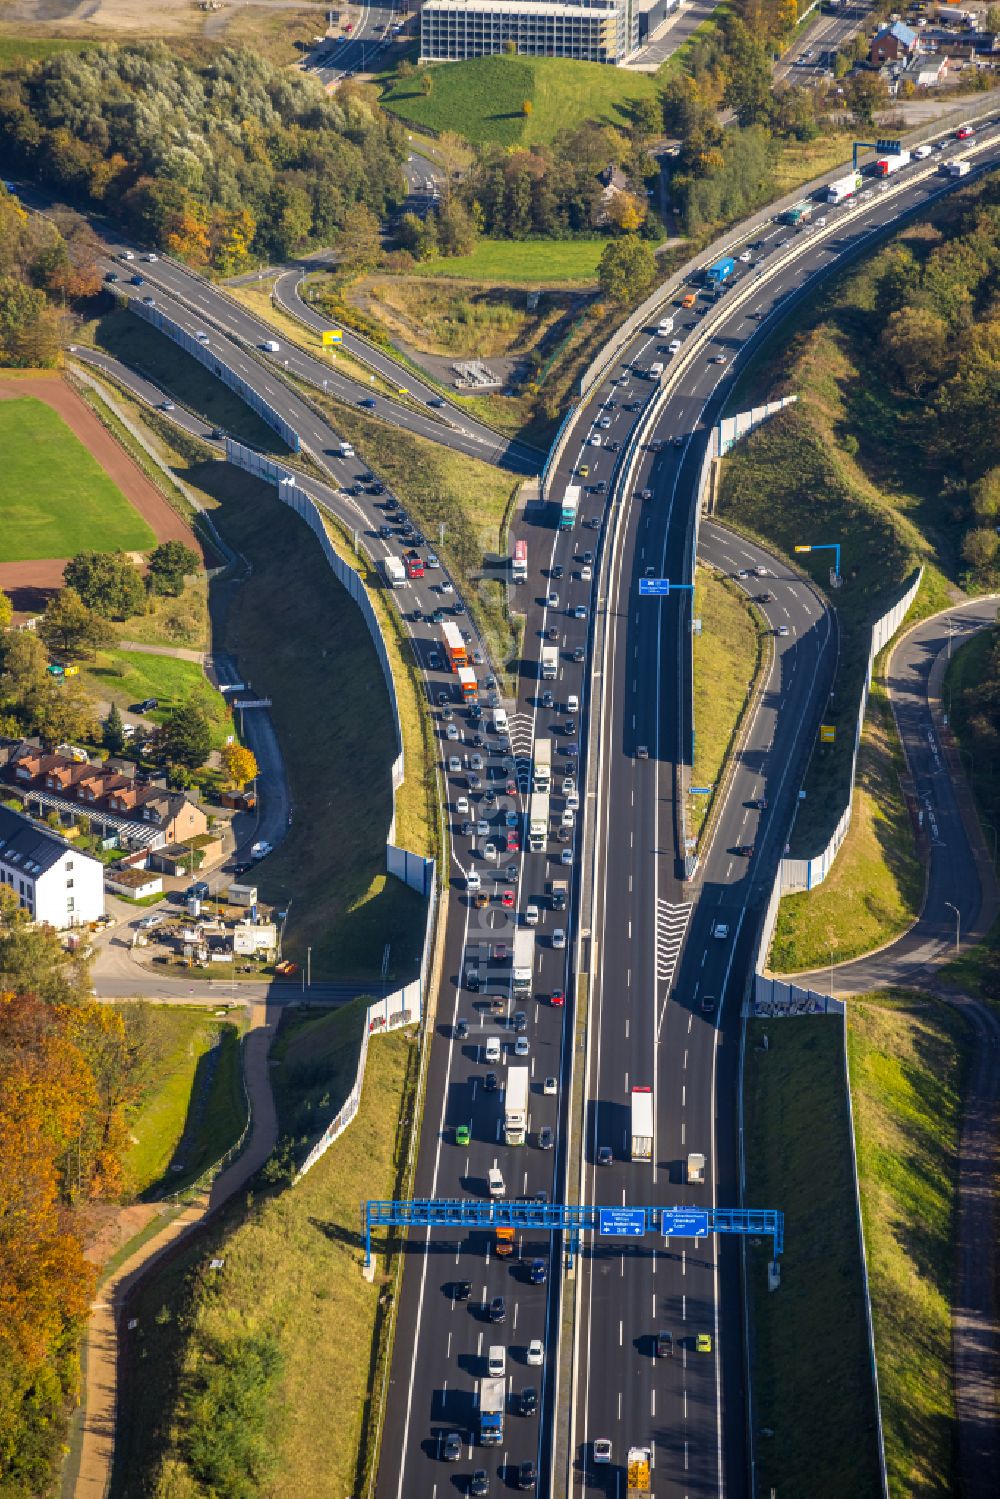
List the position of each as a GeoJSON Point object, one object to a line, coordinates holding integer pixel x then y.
{"type": "Point", "coordinates": [57, 498]}
{"type": "Point", "coordinates": [292, 1269]}
{"type": "Point", "coordinates": [181, 1040]}
{"type": "Point", "coordinates": [725, 662]}
{"type": "Point", "coordinates": [527, 262]}
{"type": "Point", "coordinates": [440, 486]}
{"type": "Point", "coordinates": [968, 668]}
{"type": "Point", "coordinates": [297, 635]}
{"type": "Point", "coordinates": [810, 1355]}
{"type": "Point", "coordinates": [125, 677]}
{"type": "Point", "coordinates": [907, 1058]}
{"type": "Point", "coordinates": [482, 99]}
{"type": "Point", "coordinates": [876, 886]}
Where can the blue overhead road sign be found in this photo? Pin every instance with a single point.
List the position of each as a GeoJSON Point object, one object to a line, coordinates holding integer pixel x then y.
{"type": "Point", "coordinates": [684, 1223]}
{"type": "Point", "coordinates": [654, 586]}
{"type": "Point", "coordinates": [623, 1223]}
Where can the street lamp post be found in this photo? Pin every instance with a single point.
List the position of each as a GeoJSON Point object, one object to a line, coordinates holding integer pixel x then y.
{"type": "Point", "coordinates": [958, 925]}
{"type": "Point", "coordinates": [309, 967]}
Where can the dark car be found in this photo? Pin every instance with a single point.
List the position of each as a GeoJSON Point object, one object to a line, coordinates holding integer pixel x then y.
{"type": "Point", "coordinates": [605, 1156]}
{"type": "Point", "coordinates": [243, 867]}
{"type": "Point", "coordinates": [552, 633]}
{"type": "Point", "coordinates": [664, 1345]}
{"type": "Point", "coordinates": [368, 402]}
{"type": "Point", "coordinates": [529, 1400]}
{"type": "Point", "coordinates": [437, 403]}
{"type": "Point", "coordinates": [557, 571]}
{"type": "Point", "coordinates": [437, 616]}
{"type": "Point", "coordinates": [461, 1290]}
{"type": "Point", "coordinates": [579, 654]}
{"type": "Point", "coordinates": [137, 280]}
{"type": "Point", "coordinates": [461, 1030]}
{"type": "Point", "coordinates": [498, 1309]}
{"type": "Point", "coordinates": [385, 532]}
{"type": "Point", "coordinates": [111, 276]}
{"type": "Point", "coordinates": [451, 1448]}
{"type": "Point", "coordinates": [527, 1476]}
{"type": "Point", "coordinates": [538, 1272]}
{"type": "Point", "coordinates": [479, 1483]}
{"type": "Point", "coordinates": [546, 1139]}
{"type": "Point", "coordinates": [146, 706]}
{"type": "Point", "coordinates": [491, 1082]}
{"type": "Point", "coordinates": [708, 1003]}
{"type": "Point", "coordinates": [548, 700]}
{"type": "Point", "coordinates": [520, 1022]}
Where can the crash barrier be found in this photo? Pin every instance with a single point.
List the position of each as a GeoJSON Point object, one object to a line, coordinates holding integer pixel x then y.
{"type": "Point", "coordinates": [206, 355]}
{"type": "Point", "coordinates": [777, 999]}
{"type": "Point", "coordinates": [413, 869]}
{"type": "Point", "coordinates": [731, 428]}
{"type": "Point", "coordinates": [403, 1007]}
{"type": "Point", "coordinates": [291, 493]}
{"type": "Point", "coordinates": [805, 874]}
{"type": "Point", "coordinates": [555, 452]}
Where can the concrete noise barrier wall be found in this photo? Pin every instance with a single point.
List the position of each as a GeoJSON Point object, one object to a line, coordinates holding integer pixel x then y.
{"type": "Point", "coordinates": [206, 355]}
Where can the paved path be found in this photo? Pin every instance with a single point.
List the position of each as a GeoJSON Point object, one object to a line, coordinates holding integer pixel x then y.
{"type": "Point", "coordinates": [960, 875]}
{"type": "Point", "coordinates": [179, 652]}
{"type": "Point", "coordinates": [101, 1359]}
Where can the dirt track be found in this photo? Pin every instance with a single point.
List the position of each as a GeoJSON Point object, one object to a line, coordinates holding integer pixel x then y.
{"type": "Point", "coordinates": [31, 583]}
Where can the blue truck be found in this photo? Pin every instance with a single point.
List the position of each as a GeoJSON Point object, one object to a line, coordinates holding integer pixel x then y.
{"type": "Point", "coordinates": [720, 272]}
{"type": "Point", "coordinates": [491, 1403]}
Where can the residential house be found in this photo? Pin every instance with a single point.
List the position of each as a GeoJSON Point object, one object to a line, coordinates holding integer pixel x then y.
{"type": "Point", "coordinates": [893, 43]}
{"type": "Point", "coordinates": [53, 881]}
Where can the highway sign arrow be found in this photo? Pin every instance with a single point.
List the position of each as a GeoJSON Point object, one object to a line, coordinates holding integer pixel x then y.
{"type": "Point", "coordinates": [623, 1223]}
{"type": "Point", "coordinates": [684, 1223]}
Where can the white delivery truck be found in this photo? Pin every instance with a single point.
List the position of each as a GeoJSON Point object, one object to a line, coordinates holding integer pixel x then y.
{"type": "Point", "coordinates": [843, 188]}
{"type": "Point", "coordinates": [393, 571]}
{"type": "Point", "coordinates": [542, 774]}
{"type": "Point", "coordinates": [515, 1112]}
{"type": "Point", "coordinates": [538, 821]}
{"type": "Point", "coordinates": [886, 165]}
{"type": "Point", "coordinates": [957, 167]}
{"type": "Point", "coordinates": [665, 326]}
{"type": "Point", "coordinates": [524, 960]}
{"type": "Point", "coordinates": [550, 663]}
{"type": "Point", "coordinates": [696, 1169]}
{"type": "Point", "coordinates": [656, 369]}
{"type": "Point", "coordinates": [642, 1124]}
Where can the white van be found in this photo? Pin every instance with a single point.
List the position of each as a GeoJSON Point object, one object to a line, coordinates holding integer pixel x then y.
{"type": "Point", "coordinates": [531, 916]}
{"type": "Point", "coordinates": [499, 721]}
{"type": "Point", "coordinates": [495, 1179]}
{"type": "Point", "coordinates": [665, 326]}
{"type": "Point", "coordinates": [572, 704]}
{"type": "Point", "coordinates": [655, 370]}
{"type": "Point", "coordinates": [472, 880]}
{"type": "Point", "coordinates": [498, 1361]}
{"type": "Point", "coordinates": [271, 346]}
{"type": "Point", "coordinates": [346, 451]}
{"type": "Point", "coordinates": [493, 1055]}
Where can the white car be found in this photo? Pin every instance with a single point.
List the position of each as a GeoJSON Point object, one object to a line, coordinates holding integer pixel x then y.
{"type": "Point", "coordinates": [127, 255]}
{"type": "Point", "coordinates": [746, 257]}
{"type": "Point", "coordinates": [521, 1046]}
{"type": "Point", "coordinates": [462, 804]}
{"type": "Point", "coordinates": [536, 1352]}
{"type": "Point", "coordinates": [550, 1087]}
{"type": "Point", "coordinates": [586, 573]}
{"type": "Point", "coordinates": [446, 587]}
{"type": "Point", "coordinates": [472, 880]}
{"type": "Point", "coordinates": [573, 800]}
{"type": "Point", "coordinates": [721, 930]}
{"type": "Point", "coordinates": [454, 765]}
{"type": "Point", "coordinates": [602, 1450]}
{"type": "Point", "coordinates": [568, 818]}
{"type": "Point", "coordinates": [260, 849]}
{"type": "Point", "coordinates": [482, 828]}
{"type": "Point", "coordinates": [155, 918]}
{"type": "Point", "coordinates": [151, 257]}
{"type": "Point", "coordinates": [566, 857]}
{"type": "Point", "coordinates": [489, 850]}
{"type": "Point", "coordinates": [559, 937]}
{"type": "Point", "coordinates": [451, 732]}
{"type": "Point", "coordinates": [568, 785]}
{"type": "Point", "coordinates": [431, 560]}
{"type": "Point", "coordinates": [594, 439]}
{"type": "Point", "coordinates": [674, 346]}
{"type": "Point", "coordinates": [553, 600]}
{"type": "Point", "coordinates": [201, 336]}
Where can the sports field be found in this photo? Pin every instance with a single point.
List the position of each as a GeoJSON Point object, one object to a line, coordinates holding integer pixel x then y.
{"type": "Point", "coordinates": [55, 499]}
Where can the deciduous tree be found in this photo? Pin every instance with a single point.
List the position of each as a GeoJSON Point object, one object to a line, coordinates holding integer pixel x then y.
{"type": "Point", "coordinates": [240, 764]}
{"type": "Point", "coordinates": [627, 269]}
{"type": "Point", "coordinates": [107, 582]}
{"type": "Point", "coordinates": [69, 627]}
{"type": "Point", "coordinates": [169, 564]}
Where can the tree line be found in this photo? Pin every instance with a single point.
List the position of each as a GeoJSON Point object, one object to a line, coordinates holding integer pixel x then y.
{"type": "Point", "coordinates": [39, 279]}
{"type": "Point", "coordinates": [221, 161]}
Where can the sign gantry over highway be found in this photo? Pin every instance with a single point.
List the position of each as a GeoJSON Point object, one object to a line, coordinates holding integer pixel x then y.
{"type": "Point", "coordinates": [622, 1223]}
{"type": "Point", "coordinates": [658, 588]}
{"type": "Point", "coordinates": [684, 1223]}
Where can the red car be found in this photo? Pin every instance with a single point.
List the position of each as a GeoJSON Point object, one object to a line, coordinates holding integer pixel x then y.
{"type": "Point", "coordinates": [557, 998]}
{"type": "Point", "coordinates": [964, 132]}
{"type": "Point", "coordinates": [511, 787]}
{"type": "Point", "coordinates": [513, 843]}
{"type": "Point", "coordinates": [507, 899]}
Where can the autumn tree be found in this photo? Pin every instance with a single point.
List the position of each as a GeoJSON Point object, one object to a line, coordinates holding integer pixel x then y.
{"type": "Point", "coordinates": [107, 582]}
{"type": "Point", "coordinates": [627, 269]}
{"type": "Point", "coordinates": [69, 627]}
{"type": "Point", "coordinates": [240, 764]}
{"type": "Point", "coordinates": [626, 212]}
{"type": "Point", "coordinates": [169, 564]}
{"type": "Point", "coordinates": [59, 710]}
{"type": "Point", "coordinates": [6, 611]}
{"type": "Point", "coordinates": [359, 242]}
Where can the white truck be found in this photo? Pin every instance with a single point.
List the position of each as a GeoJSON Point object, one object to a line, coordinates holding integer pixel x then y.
{"type": "Point", "coordinates": [665, 326]}
{"type": "Point", "coordinates": [393, 571]}
{"type": "Point", "coordinates": [542, 772]}
{"type": "Point", "coordinates": [538, 821]}
{"type": "Point", "coordinates": [886, 165]}
{"type": "Point", "coordinates": [524, 960]}
{"type": "Point", "coordinates": [843, 188]}
{"type": "Point", "coordinates": [642, 1124]}
{"type": "Point", "coordinates": [550, 663]}
{"type": "Point", "coordinates": [515, 1109]}
{"type": "Point", "coordinates": [492, 1399]}
{"type": "Point", "coordinates": [695, 1169]}
{"type": "Point", "coordinates": [958, 167]}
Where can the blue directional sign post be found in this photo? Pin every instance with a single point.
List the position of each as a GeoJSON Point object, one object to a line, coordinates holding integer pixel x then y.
{"type": "Point", "coordinates": [622, 1223]}
{"type": "Point", "coordinates": [684, 1223]}
{"type": "Point", "coordinates": [659, 588]}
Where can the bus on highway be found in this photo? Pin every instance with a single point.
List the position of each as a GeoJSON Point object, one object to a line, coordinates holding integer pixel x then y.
{"type": "Point", "coordinates": [519, 563]}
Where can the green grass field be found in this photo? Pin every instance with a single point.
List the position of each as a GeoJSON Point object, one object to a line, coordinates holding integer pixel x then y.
{"type": "Point", "coordinates": [292, 1275]}
{"type": "Point", "coordinates": [14, 49]}
{"type": "Point", "coordinates": [483, 99]}
{"type": "Point", "coordinates": [907, 1057]}
{"type": "Point", "coordinates": [810, 1367]}
{"type": "Point", "coordinates": [125, 677]}
{"type": "Point", "coordinates": [726, 657]}
{"type": "Point", "coordinates": [57, 500]}
{"type": "Point", "coordinates": [184, 1092]}
{"type": "Point", "coordinates": [531, 262]}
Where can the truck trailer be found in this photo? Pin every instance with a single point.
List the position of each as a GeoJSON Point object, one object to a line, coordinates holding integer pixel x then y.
{"type": "Point", "coordinates": [393, 571]}
{"type": "Point", "coordinates": [637, 1473]}
{"type": "Point", "coordinates": [570, 507]}
{"type": "Point", "coordinates": [519, 563]}
{"type": "Point", "coordinates": [886, 165]}
{"type": "Point", "coordinates": [843, 188]}
{"type": "Point", "coordinates": [538, 821]}
{"type": "Point", "coordinates": [642, 1124]}
{"type": "Point", "coordinates": [492, 1399]}
{"type": "Point", "coordinates": [696, 1169]}
{"type": "Point", "coordinates": [958, 167]}
{"type": "Point", "coordinates": [541, 778]}
{"type": "Point", "coordinates": [454, 646]}
{"type": "Point", "coordinates": [515, 1112]}
{"type": "Point", "coordinates": [550, 663]}
{"type": "Point", "coordinates": [524, 960]}
{"type": "Point", "coordinates": [719, 273]}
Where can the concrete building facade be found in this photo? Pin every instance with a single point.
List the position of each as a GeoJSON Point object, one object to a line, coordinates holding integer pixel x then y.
{"type": "Point", "coordinates": [604, 31]}
{"type": "Point", "coordinates": [54, 882]}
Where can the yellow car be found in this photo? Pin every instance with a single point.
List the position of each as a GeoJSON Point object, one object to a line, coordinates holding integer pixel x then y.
{"type": "Point", "coordinates": [583, 470]}
{"type": "Point", "coordinates": [703, 1343]}
{"type": "Point", "coordinates": [402, 391]}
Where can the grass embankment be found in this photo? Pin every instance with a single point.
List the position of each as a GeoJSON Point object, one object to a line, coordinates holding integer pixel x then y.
{"type": "Point", "coordinates": [970, 668]}
{"type": "Point", "coordinates": [57, 497]}
{"type": "Point", "coordinates": [125, 677]}
{"type": "Point", "coordinates": [907, 1058]}
{"type": "Point", "coordinates": [796, 481]}
{"type": "Point", "coordinates": [193, 1108]}
{"type": "Point", "coordinates": [876, 886]}
{"type": "Point", "coordinates": [139, 345]}
{"type": "Point", "coordinates": [483, 99]}
{"type": "Point", "coordinates": [727, 657]}
{"type": "Point", "coordinates": [439, 486]}
{"type": "Point", "coordinates": [529, 262]}
{"type": "Point", "coordinates": [463, 321]}
{"type": "Point", "coordinates": [225, 1372]}
{"type": "Point", "coordinates": [180, 621]}
{"type": "Point", "coordinates": [810, 1364]}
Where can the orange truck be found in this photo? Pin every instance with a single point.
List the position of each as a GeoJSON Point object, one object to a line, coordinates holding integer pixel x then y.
{"type": "Point", "coordinates": [503, 1245]}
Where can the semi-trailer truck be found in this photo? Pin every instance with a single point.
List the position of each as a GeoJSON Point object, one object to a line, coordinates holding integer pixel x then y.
{"type": "Point", "coordinates": [538, 821]}
{"type": "Point", "coordinates": [720, 272]}
{"type": "Point", "coordinates": [843, 188]}
{"type": "Point", "coordinates": [467, 684]}
{"type": "Point", "coordinates": [570, 507]}
{"type": "Point", "coordinates": [393, 571]}
{"type": "Point", "coordinates": [550, 663]}
{"type": "Point", "coordinates": [886, 165]}
{"type": "Point", "coordinates": [492, 1399]}
{"type": "Point", "coordinates": [799, 213]}
{"type": "Point", "coordinates": [515, 1112]}
{"type": "Point", "coordinates": [957, 167]}
{"type": "Point", "coordinates": [542, 773]}
{"type": "Point", "coordinates": [642, 1124]}
{"type": "Point", "coordinates": [524, 960]}
{"type": "Point", "coordinates": [454, 645]}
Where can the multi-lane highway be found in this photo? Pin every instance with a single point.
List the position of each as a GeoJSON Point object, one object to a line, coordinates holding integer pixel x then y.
{"type": "Point", "coordinates": [812, 55]}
